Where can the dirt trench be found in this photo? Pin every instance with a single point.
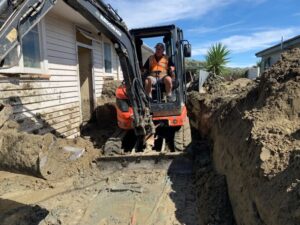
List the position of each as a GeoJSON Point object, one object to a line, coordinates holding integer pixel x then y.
{"type": "Point", "coordinates": [254, 129]}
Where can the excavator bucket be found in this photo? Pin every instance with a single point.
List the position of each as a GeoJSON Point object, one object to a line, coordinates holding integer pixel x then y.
{"type": "Point", "coordinates": [120, 154]}
{"type": "Point", "coordinates": [177, 162]}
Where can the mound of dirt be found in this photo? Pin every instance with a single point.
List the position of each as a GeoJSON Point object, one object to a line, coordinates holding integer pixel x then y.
{"type": "Point", "coordinates": [203, 107]}
{"type": "Point", "coordinates": [105, 112]}
{"type": "Point", "coordinates": [110, 87]}
{"type": "Point", "coordinates": [255, 130]}
{"type": "Point", "coordinates": [41, 155]}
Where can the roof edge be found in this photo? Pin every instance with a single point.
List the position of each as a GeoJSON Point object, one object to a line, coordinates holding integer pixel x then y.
{"type": "Point", "coordinates": [286, 43]}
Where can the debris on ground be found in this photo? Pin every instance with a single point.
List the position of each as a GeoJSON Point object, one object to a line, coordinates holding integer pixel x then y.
{"type": "Point", "coordinates": [145, 196]}
{"type": "Point", "coordinates": [256, 144]}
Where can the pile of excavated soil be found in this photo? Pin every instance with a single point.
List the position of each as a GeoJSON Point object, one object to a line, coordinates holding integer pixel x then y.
{"type": "Point", "coordinates": [256, 143]}
{"type": "Point", "coordinates": [202, 107]}
{"type": "Point", "coordinates": [108, 93]}
{"type": "Point", "coordinates": [105, 113]}
{"type": "Point", "coordinates": [104, 122]}
{"type": "Point", "coordinates": [41, 155]}
{"type": "Point", "coordinates": [109, 88]}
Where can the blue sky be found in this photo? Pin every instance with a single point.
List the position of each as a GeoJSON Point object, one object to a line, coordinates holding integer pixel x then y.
{"type": "Point", "coordinates": [244, 26]}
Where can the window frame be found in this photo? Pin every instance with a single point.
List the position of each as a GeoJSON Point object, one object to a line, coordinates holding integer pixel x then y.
{"type": "Point", "coordinates": [20, 68]}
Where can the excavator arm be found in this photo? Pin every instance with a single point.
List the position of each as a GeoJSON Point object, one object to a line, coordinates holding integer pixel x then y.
{"type": "Point", "coordinates": [22, 15]}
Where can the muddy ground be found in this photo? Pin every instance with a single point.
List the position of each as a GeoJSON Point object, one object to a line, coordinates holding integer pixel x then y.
{"type": "Point", "coordinates": [91, 197]}
{"type": "Point", "coordinates": [82, 192]}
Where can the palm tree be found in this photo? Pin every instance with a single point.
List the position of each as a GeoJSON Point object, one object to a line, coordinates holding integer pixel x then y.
{"type": "Point", "coordinates": [216, 58]}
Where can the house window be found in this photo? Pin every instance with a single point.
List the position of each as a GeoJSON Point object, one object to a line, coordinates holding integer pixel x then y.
{"type": "Point", "coordinates": [267, 63]}
{"type": "Point", "coordinates": [31, 49]}
{"type": "Point", "coordinates": [107, 58]}
{"type": "Point", "coordinates": [30, 61]}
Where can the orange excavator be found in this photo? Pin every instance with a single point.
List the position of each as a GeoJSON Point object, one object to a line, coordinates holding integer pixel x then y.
{"type": "Point", "coordinates": [154, 128]}
{"type": "Point", "coordinates": [171, 124]}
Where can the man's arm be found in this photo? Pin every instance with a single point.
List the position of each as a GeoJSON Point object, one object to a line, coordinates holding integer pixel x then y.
{"type": "Point", "coordinates": [145, 69]}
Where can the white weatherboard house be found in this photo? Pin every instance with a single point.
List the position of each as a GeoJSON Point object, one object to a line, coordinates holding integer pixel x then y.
{"type": "Point", "coordinates": [60, 73]}
{"type": "Point", "coordinates": [271, 55]}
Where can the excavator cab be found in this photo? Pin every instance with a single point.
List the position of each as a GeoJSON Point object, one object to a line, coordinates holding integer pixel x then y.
{"type": "Point", "coordinates": [169, 118]}
{"type": "Point", "coordinates": [176, 48]}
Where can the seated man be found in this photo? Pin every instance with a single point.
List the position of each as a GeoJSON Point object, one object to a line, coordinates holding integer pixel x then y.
{"type": "Point", "coordinates": [160, 69]}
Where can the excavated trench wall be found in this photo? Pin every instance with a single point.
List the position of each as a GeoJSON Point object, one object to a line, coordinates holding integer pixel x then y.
{"type": "Point", "coordinates": [255, 130]}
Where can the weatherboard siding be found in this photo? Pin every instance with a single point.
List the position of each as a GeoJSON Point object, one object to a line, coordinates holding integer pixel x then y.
{"type": "Point", "coordinates": [63, 68]}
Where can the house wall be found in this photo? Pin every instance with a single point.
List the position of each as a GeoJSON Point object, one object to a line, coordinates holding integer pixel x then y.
{"type": "Point", "coordinates": [43, 105]}
{"type": "Point", "coordinates": [253, 73]}
{"type": "Point", "coordinates": [269, 59]}
{"type": "Point", "coordinates": [146, 53]}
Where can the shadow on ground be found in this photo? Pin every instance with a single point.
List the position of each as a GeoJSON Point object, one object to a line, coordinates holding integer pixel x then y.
{"type": "Point", "coordinates": [15, 213]}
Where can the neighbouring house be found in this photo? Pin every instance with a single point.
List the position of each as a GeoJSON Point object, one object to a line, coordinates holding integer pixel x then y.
{"type": "Point", "coordinates": [253, 72]}
{"type": "Point", "coordinates": [59, 76]}
{"type": "Point", "coordinates": [271, 55]}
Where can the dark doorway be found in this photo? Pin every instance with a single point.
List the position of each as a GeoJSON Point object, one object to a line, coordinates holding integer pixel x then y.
{"type": "Point", "coordinates": [86, 82]}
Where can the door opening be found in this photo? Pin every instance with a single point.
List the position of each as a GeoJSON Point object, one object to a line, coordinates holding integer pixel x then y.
{"type": "Point", "coordinates": [86, 82]}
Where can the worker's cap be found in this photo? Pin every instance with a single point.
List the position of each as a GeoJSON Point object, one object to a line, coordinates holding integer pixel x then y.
{"type": "Point", "coordinates": [160, 45]}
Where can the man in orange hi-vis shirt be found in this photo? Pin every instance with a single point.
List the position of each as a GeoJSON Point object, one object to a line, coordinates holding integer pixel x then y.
{"type": "Point", "coordinates": [159, 68]}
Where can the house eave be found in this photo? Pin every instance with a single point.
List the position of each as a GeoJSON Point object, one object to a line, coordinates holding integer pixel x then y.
{"type": "Point", "coordinates": [277, 48]}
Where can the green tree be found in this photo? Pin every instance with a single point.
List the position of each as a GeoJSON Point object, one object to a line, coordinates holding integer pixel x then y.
{"type": "Point", "coordinates": [216, 58]}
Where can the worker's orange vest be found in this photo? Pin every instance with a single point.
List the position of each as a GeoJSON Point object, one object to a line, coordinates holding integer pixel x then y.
{"type": "Point", "coordinates": [161, 65]}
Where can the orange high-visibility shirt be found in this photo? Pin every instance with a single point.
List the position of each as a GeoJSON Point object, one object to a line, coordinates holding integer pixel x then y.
{"type": "Point", "coordinates": [161, 65]}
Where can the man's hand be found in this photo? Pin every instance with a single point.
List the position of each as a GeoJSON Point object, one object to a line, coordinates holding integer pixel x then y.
{"type": "Point", "coordinates": [172, 72]}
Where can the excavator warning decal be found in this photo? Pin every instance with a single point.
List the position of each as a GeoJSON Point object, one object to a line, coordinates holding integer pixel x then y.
{"type": "Point", "coordinates": [110, 25]}
{"type": "Point", "coordinates": [12, 35]}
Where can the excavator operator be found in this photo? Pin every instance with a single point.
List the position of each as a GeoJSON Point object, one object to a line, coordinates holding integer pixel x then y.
{"type": "Point", "coordinates": [159, 69]}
